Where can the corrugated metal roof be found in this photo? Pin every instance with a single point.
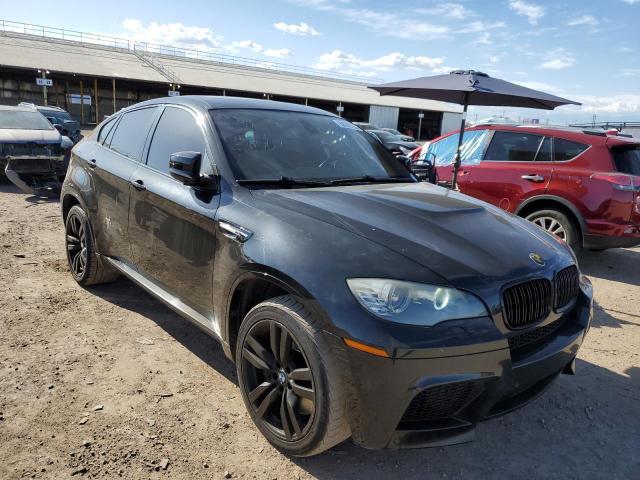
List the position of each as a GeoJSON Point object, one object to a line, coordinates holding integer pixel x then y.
{"type": "Point", "coordinates": [29, 51]}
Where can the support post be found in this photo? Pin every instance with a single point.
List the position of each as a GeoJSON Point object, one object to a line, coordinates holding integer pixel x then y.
{"type": "Point", "coordinates": [81, 103]}
{"type": "Point", "coordinates": [44, 88]}
{"type": "Point", "coordinates": [113, 87]}
{"type": "Point", "coordinates": [420, 115]}
{"type": "Point", "coordinates": [458, 160]}
{"type": "Point", "coordinates": [95, 98]}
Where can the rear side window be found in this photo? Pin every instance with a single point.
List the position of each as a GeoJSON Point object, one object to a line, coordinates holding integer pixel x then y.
{"type": "Point", "coordinates": [566, 149]}
{"type": "Point", "coordinates": [106, 128]}
{"type": "Point", "coordinates": [513, 147]}
{"type": "Point", "coordinates": [131, 133]}
{"type": "Point", "coordinates": [177, 131]}
{"type": "Point", "coordinates": [544, 153]}
{"type": "Point", "coordinates": [470, 154]}
{"type": "Point", "coordinates": [627, 160]}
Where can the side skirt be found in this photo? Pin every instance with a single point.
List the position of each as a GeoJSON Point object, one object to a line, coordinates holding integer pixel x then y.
{"type": "Point", "coordinates": [173, 302]}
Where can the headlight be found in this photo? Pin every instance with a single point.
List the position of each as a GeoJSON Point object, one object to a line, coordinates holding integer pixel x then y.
{"type": "Point", "coordinates": [414, 303]}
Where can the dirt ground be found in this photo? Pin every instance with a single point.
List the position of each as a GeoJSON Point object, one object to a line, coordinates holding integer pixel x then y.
{"type": "Point", "coordinates": [106, 382]}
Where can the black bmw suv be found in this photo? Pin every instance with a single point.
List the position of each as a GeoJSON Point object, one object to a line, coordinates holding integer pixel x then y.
{"type": "Point", "coordinates": [354, 300]}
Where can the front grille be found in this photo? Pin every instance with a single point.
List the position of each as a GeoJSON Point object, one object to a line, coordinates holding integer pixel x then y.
{"type": "Point", "coordinates": [533, 337]}
{"type": "Point", "coordinates": [30, 149]}
{"type": "Point", "coordinates": [527, 302]}
{"type": "Point", "coordinates": [440, 401]}
{"type": "Point", "coordinates": [567, 287]}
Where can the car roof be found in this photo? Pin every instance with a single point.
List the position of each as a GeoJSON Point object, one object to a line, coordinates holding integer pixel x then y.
{"type": "Point", "coordinates": [18, 108]}
{"type": "Point", "coordinates": [208, 102]}
{"type": "Point", "coordinates": [592, 137]}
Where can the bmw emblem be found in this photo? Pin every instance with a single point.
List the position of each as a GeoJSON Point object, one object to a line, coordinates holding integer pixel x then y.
{"type": "Point", "coordinates": [537, 259]}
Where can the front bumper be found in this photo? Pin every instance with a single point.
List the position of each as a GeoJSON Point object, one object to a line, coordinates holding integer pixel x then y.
{"type": "Point", "coordinates": [35, 174]}
{"type": "Point", "coordinates": [419, 402]}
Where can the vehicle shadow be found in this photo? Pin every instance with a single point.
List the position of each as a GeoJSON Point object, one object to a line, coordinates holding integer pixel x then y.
{"type": "Point", "coordinates": [584, 426]}
{"type": "Point", "coordinates": [618, 265]}
{"type": "Point", "coordinates": [128, 295]}
{"type": "Point", "coordinates": [7, 187]}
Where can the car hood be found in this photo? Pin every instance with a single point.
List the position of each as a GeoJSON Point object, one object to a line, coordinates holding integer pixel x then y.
{"type": "Point", "coordinates": [11, 135]}
{"type": "Point", "coordinates": [455, 236]}
{"type": "Point", "coordinates": [410, 145]}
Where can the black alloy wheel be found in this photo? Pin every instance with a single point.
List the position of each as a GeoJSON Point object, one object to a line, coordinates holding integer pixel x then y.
{"type": "Point", "coordinates": [76, 243]}
{"type": "Point", "coordinates": [278, 380]}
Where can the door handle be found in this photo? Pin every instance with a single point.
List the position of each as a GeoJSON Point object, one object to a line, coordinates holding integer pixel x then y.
{"type": "Point", "coordinates": [93, 163]}
{"type": "Point", "coordinates": [533, 178]}
{"type": "Point", "coordinates": [138, 185]}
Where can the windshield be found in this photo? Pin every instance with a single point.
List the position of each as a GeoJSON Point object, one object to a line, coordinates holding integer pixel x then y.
{"type": "Point", "coordinates": [385, 136]}
{"type": "Point", "coordinates": [270, 144]}
{"type": "Point", "coordinates": [16, 119]}
{"type": "Point", "coordinates": [59, 117]}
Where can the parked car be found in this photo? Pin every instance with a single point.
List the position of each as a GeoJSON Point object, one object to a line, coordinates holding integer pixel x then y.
{"type": "Point", "coordinates": [354, 300]}
{"type": "Point", "coordinates": [581, 185]}
{"type": "Point", "coordinates": [33, 154]}
{"type": "Point", "coordinates": [60, 119]}
{"type": "Point", "coordinates": [393, 142]}
{"type": "Point", "coordinates": [366, 126]}
{"type": "Point", "coordinates": [402, 136]}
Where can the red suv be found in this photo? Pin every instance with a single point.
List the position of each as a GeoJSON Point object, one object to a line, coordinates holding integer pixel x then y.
{"type": "Point", "coordinates": [582, 185]}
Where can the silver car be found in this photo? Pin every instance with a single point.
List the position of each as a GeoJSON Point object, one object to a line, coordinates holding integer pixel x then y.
{"type": "Point", "coordinates": [33, 154]}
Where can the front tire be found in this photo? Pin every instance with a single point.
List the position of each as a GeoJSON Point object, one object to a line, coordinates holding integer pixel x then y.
{"type": "Point", "coordinates": [291, 378]}
{"type": "Point", "coordinates": [87, 268]}
{"type": "Point", "coordinates": [558, 224]}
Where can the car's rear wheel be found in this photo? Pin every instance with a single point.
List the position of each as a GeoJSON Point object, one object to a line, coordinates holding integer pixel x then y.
{"type": "Point", "coordinates": [85, 264]}
{"type": "Point", "coordinates": [290, 378]}
{"type": "Point", "coordinates": [557, 223]}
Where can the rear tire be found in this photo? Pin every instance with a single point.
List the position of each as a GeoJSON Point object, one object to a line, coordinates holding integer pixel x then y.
{"type": "Point", "coordinates": [298, 422]}
{"type": "Point", "coordinates": [87, 267]}
{"type": "Point", "coordinates": [559, 224]}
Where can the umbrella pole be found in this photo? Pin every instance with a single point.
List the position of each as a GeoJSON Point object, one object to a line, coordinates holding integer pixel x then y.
{"type": "Point", "coordinates": [457, 162]}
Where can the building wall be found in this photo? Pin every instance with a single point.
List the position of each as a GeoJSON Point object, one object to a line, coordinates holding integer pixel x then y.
{"type": "Point", "coordinates": [384, 117]}
{"type": "Point", "coordinates": [450, 122]}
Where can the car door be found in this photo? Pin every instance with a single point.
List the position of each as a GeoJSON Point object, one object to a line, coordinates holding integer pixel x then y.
{"type": "Point", "coordinates": [515, 166]}
{"type": "Point", "coordinates": [171, 225]}
{"type": "Point", "coordinates": [111, 163]}
{"type": "Point", "coordinates": [471, 151]}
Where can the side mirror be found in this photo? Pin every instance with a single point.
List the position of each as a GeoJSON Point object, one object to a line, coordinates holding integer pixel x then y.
{"type": "Point", "coordinates": [429, 157]}
{"type": "Point", "coordinates": [405, 160]}
{"type": "Point", "coordinates": [58, 127]}
{"type": "Point", "coordinates": [185, 167]}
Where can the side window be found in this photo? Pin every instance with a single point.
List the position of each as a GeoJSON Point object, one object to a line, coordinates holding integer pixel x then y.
{"type": "Point", "coordinates": [513, 147]}
{"type": "Point", "coordinates": [177, 131]}
{"type": "Point", "coordinates": [544, 154]}
{"type": "Point", "coordinates": [131, 133]}
{"type": "Point", "coordinates": [471, 152]}
{"type": "Point", "coordinates": [566, 149]}
{"type": "Point", "coordinates": [106, 129]}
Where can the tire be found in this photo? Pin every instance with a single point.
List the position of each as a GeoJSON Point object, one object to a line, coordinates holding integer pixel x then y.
{"type": "Point", "coordinates": [327, 424]}
{"type": "Point", "coordinates": [559, 224]}
{"type": "Point", "coordinates": [87, 267]}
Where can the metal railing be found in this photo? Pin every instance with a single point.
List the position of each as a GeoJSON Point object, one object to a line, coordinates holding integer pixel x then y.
{"type": "Point", "coordinates": [84, 38]}
{"type": "Point", "coordinates": [607, 125]}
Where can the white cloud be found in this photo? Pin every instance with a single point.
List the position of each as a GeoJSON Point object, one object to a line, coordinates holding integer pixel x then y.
{"type": "Point", "coordinates": [631, 2]}
{"type": "Point", "coordinates": [479, 26]}
{"type": "Point", "coordinates": [558, 59]}
{"type": "Point", "coordinates": [200, 38]}
{"type": "Point", "coordinates": [257, 48]}
{"type": "Point", "coordinates": [532, 11]}
{"type": "Point", "coordinates": [175, 34]}
{"type": "Point", "coordinates": [588, 20]}
{"type": "Point", "coordinates": [631, 72]}
{"type": "Point", "coordinates": [339, 60]}
{"type": "Point", "coordinates": [449, 10]}
{"type": "Point", "coordinates": [545, 87]}
{"type": "Point", "coordinates": [626, 103]}
{"type": "Point", "coordinates": [485, 39]}
{"type": "Point", "coordinates": [302, 29]}
{"type": "Point", "coordinates": [443, 70]}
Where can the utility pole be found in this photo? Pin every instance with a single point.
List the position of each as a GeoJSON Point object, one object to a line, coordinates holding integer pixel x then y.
{"type": "Point", "coordinates": [43, 75]}
{"type": "Point", "coordinates": [420, 117]}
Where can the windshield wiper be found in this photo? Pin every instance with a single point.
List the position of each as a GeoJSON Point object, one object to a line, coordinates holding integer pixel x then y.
{"type": "Point", "coordinates": [371, 179]}
{"type": "Point", "coordinates": [283, 182]}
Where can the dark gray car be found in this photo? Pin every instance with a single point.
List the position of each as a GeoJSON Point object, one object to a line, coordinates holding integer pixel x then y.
{"type": "Point", "coordinates": [354, 300]}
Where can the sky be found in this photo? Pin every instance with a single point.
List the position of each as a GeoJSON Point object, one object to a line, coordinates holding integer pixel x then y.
{"type": "Point", "coordinates": [584, 50]}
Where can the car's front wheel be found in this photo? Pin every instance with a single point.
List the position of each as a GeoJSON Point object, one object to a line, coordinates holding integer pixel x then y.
{"type": "Point", "coordinates": [557, 223]}
{"type": "Point", "coordinates": [290, 378]}
{"type": "Point", "coordinates": [86, 266]}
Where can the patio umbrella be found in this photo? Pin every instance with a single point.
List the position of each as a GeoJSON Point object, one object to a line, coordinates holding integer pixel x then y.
{"type": "Point", "coordinates": [468, 87]}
